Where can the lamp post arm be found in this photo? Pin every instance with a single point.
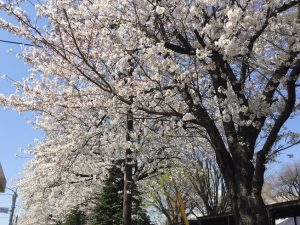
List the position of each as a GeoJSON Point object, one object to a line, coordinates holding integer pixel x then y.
{"type": "Point", "coordinates": [13, 205]}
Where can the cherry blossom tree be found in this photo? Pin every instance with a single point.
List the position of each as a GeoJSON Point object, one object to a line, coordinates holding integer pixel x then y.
{"type": "Point", "coordinates": [227, 71]}
{"type": "Point", "coordinates": [81, 141]}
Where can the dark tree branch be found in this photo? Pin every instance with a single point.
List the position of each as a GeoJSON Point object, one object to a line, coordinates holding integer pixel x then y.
{"type": "Point", "coordinates": [179, 49]}
{"type": "Point", "coordinates": [285, 114]}
{"type": "Point", "coordinates": [200, 39]}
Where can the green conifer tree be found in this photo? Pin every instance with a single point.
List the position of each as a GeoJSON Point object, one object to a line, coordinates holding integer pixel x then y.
{"type": "Point", "coordinates": [76, 217]}
{"type": "Point", "coordinates": [109, 203]}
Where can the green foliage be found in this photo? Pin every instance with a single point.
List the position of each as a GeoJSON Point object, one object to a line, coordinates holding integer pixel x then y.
{"type": "Point", "coordinates": [76, 217]}
{"type": "Point", "coordinates": [109, 204]}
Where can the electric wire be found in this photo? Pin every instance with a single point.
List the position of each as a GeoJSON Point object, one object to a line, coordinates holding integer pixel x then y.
{"type": "Point", "coordinates": [16, 42]}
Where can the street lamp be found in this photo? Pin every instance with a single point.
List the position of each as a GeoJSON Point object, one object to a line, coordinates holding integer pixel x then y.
{"type": "Point", "coordinates": [13, 205]}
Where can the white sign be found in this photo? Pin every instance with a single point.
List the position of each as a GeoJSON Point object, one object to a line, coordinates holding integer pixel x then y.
{"type": "Point", "coordinates": [4, 210]}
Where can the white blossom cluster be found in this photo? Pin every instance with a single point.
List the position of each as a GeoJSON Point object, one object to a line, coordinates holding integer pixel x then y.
{"type": "Point", "coordinates": [187, 71]}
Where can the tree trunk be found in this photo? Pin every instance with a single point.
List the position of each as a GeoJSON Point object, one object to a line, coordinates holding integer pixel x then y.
{"type": "Point", "coordinates": [247, 203]}
{"type": "Point", "coordinates": [244, 182]}
{"type": "Point", "coordinates": [128, 181]}
{"type": "Point", "coordinates": [249, 210]}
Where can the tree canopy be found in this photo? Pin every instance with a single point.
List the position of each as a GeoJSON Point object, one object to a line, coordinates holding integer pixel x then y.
{"type": "Point", "coordinates": [223, 73]}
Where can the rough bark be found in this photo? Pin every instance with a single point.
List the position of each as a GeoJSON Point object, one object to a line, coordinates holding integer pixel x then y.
{"type": "Point", "coordinates": [248, 211]}
{"type": "Point", "coordinates": [248, 207]}
{"type": "Point", "coordinates": [245, 189]}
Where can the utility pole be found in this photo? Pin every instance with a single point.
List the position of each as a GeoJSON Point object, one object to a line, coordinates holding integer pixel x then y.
{"type": "Point", "coordinates": [128, 181]}
{"type": "Point", "coordinates": [13, 206]}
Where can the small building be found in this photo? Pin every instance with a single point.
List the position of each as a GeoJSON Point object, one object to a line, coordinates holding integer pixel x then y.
{"type": "Point", "coordinates": [290, 210]}
{"type": "Point", "coordinates": [285, 210]}
{"type": "Point", "coordinates": [2, 180]}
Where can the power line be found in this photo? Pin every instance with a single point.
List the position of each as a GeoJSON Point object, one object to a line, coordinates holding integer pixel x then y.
{"type": "Point", "coordinates": [16, 43]}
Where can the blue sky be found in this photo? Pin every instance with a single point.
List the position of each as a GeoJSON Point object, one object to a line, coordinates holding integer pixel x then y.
{"type": "Point", "coordinates": [15, 133]}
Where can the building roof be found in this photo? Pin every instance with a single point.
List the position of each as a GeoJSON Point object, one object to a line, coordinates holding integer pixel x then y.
{"type": "Point", "coordinates": [2, 180]}
{"type": "Point", "coordinates": [285, 209]}
{"type": "Point", "coordinates": [276, 211]}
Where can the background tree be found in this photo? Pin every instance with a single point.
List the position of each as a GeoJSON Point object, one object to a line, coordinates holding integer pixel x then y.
{"type": "Point", "coordinates": [160, 193]}
{"type": "Point", "coordinates": [199, 181]}
{"type": "Point", "coordinates": [286, 184]}
{"type": "Point", "coordinates": [207, 183]}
